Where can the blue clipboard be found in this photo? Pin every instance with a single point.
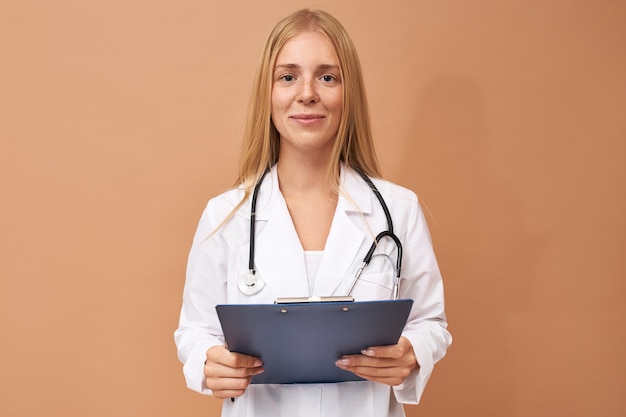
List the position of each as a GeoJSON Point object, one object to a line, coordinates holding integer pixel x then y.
{"type": "Point", "coordinates": [300, 342]}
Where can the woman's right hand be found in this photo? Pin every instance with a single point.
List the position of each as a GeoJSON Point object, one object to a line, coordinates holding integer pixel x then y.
{"type": "Point", "coordinates": [228, 374]}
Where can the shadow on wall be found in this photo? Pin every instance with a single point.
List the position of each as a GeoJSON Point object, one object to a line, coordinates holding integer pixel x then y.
{"type": "Point", "coordinates": [485, 252]}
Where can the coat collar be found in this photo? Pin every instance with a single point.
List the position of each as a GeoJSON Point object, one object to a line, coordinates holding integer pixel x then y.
{"type": "Point", "coordinates": [279, 256]}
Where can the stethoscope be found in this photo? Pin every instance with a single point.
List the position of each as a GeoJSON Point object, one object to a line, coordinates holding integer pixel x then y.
{"type": "Point", "coordinates": [251, 282]}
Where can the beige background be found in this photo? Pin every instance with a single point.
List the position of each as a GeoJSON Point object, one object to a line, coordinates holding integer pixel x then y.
{"type": "Point", "coordinates": [120, 118]}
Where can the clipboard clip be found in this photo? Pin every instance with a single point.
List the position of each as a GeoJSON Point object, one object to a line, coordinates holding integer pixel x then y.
{"type": "Point", "coordinates": [314, 299]}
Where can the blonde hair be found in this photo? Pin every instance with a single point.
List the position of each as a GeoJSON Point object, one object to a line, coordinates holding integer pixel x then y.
{"type": "Point", "coordinates": [261, 143]}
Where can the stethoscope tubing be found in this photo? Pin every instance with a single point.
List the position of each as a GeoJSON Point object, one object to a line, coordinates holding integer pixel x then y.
{"type": "Point", "coordinates": [368, 256]}
{"type": "Point", "coordinates": [255, 194]}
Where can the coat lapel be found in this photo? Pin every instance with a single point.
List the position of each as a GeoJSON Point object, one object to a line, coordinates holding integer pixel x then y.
{"type": "Point", "coordinates": [279, 256]}
{"type": "Point", "coordinates": [346, 239]}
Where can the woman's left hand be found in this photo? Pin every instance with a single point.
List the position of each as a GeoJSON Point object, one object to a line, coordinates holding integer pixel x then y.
{"type": "Point", "coordinates": [389, 365]}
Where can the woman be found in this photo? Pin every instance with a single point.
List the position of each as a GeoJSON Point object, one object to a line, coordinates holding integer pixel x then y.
{"type": "Point", "coordinates": [308, 126]}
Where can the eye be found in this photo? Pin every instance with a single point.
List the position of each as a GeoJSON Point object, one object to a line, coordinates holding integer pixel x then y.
{"type": "Point", "coordinates": [328, 78]}
{"type": "Point", "coordinates": [287, 77]}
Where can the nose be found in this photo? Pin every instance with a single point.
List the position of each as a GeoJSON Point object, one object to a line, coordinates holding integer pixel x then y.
{"type": "Point", "coordinates": [308, 92]}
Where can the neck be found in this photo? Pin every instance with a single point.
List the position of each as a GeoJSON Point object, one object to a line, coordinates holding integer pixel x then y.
{"type": "Point", "coordinates": [302, 176]}
{"type": "Point", "coordinates": [310, 200]}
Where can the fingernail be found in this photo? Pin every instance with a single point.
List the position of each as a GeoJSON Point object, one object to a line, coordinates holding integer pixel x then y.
{"type": "Point", "coordinates": [257, 363]}
{"type": "Point", "coordinates": [343, 361]}
{"type": "Point", "coordinates": [367, 352]}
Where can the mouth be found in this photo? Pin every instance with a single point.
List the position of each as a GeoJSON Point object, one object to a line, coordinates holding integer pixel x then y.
{"type": "Point", "coordinates": [307, 119]}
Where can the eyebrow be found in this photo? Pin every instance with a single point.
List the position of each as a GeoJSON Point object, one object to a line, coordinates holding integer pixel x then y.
{"type": "Point", "coordinates": [323, 67]}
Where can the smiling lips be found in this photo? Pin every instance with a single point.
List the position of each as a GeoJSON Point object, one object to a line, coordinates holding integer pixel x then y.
{"type": "Point", "coordinates": [307, 119]}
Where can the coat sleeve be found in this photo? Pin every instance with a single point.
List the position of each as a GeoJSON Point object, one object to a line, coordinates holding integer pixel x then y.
{"type": "Point", "coordinates": [205, 287]}
{"type": "Point", "coordinates": [426, 328]}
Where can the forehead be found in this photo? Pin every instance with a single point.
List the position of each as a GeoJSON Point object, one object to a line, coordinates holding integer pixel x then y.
{"type": "Point", "coordinates": [309, 46]}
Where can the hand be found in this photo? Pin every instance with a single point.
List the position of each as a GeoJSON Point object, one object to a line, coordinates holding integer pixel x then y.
{"type": "Point", "coordinates": [228, 374]}
{"type": "Point", "coordinates": [389, 365]}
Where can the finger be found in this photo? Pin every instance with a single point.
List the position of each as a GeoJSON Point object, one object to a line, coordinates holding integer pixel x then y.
{"type": "Point", "coordinates": [391, 351]}
{"type": "Point", "coordinates": [398, 350]}
{"type": "Point", "coordinates": [215, 369]}
{"type": "Point", "coordinates": [361, 363]}
{"type": "Point", "coordinates": [389, 375]}
{"type": "Point", "coordinates": [352, 361]}
{"type": "Point", "coordinates": [394, 355]}
{"type": "Point", "coordinates": [362, 360]}
{"type": "Point", "coordinates": [376, 355]}
{"type": "Point", "coordinates": [238, 360]}
{"type": "Point", "coordinates": [391, 381]}
{"type": "Point", "coordinates": [227, 387]}
{"type": "Point", "coordinates": [227, 394]}
{"type": "Point", "coordinates": [220, 354]}
{"type": "Point", "coordinates": [371, 372]}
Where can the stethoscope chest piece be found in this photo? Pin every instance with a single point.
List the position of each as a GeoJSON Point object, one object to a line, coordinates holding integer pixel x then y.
{"type": "Point", "coordinates": [251, 283]}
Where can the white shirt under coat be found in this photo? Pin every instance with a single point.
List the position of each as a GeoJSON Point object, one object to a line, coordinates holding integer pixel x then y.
{"type": "Point", "coordinates": [216, 262]}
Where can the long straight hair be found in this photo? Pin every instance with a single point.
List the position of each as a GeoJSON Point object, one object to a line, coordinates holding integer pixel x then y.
{"type": "Point", "coordinates": [261, 142]}
{"type": "Point", "coordinates": [353, 145]}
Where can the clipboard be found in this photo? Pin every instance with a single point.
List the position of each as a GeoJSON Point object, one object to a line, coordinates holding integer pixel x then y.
{"type": "Point", "coordinates": [300, 342]}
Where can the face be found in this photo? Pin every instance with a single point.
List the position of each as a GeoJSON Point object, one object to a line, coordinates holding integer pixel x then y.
{"type": "Point", "coordinates": [307, 94]}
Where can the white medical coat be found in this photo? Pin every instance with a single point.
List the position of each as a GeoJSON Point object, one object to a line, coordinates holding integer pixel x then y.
{"type": "Point", "coordinates": [218, 260]}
